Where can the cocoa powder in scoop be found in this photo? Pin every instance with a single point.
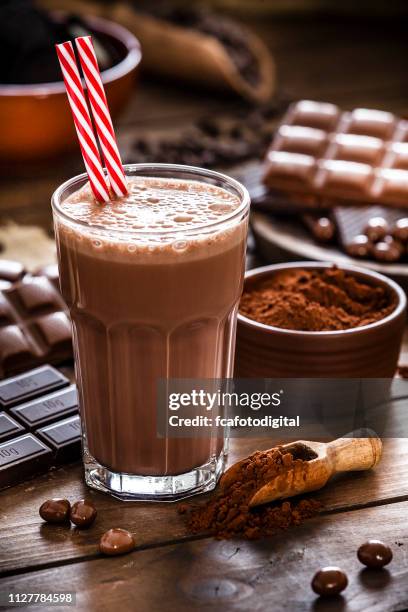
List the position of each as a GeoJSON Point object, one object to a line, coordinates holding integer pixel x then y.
{"type": "Point", "coordinates": [316, 300]}
{"type": "Point", "coordinates": [228, 514]}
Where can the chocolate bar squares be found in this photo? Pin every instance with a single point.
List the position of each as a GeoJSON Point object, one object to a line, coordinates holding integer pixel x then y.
{"type": "Point", "coordinates": [327, 156]}
{"type": "Point", "coordinates": [34, 323]}
{"type": "Point", "coordinates": [39, 424]}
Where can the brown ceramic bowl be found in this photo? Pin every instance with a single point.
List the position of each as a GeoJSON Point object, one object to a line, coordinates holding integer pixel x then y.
{"type": "Point", "coordinates": [370, 351]}
{"type": "Point", "coordinates": [36, 121]}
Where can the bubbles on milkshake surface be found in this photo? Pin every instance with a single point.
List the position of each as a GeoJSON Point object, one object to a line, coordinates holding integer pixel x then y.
{"type": "Point", "coordinates": [154, 207]}
{"type": "Point", "coordinates": [182, 218]}
{"type": "Point", "coordinates": [221, 207]}
{"type": "Point", "coordinates": [180, 245]}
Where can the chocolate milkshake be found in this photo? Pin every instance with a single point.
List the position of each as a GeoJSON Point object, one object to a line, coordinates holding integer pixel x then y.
{"type": "Point", "coordinates": [153, 282]}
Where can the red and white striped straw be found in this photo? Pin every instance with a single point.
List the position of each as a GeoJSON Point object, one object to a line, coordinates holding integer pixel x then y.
{"type": "Point", "coordinates": [82, 121]}
{"type": "Point", "coordinates": [101, 115]}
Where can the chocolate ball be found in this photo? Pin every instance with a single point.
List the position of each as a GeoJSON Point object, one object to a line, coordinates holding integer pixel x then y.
{"type": "Point", "coordinates": [83, 513]}
{"type": "Point", "coordinates": [374, 554]}
{"type": "Point", "coordinates": [329, 581]}
{"type": "Point", "coordinates": [116, 541]}
{"type": "Point", "coordinates": [360, 246]}
{"type": "Point", "coordinates": [400, 230]}
{"type": "Point", "coordinates": [376, 228]}
{"type": "Point", "coordinates": [387, 250]}
{"type": "Point", "coordinates": [55, 510]}
{"type": "Point", "coordinates": [324, 229]}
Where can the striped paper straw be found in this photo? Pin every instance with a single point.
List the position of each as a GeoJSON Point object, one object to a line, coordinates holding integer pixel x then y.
{"type": "Point", "coordinates": [82, 121]}
{"type": "Point", "coordinates": [101, 115]}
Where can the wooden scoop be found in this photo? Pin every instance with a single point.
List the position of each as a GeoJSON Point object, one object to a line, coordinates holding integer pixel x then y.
{"type": "Point", "coordinates": [320, 461]}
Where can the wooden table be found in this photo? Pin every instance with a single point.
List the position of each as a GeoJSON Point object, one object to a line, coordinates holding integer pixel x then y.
{"type": "Point", "coordinates": [352, 63]}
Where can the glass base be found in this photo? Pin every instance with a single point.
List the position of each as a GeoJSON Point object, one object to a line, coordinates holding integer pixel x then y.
{"type": "Point", "coordinates": [129, 487]}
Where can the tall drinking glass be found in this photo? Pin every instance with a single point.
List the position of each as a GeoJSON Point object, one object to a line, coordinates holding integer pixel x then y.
{"type": "Point", "coordinates": [153, 282]}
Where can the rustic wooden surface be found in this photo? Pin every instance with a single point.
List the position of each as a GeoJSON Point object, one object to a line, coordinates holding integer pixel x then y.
{"type": "Point", "coordinates": [351, 63]}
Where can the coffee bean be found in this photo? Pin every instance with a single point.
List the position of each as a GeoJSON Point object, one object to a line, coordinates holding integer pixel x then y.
{"type": "Point", "coordinates": [269, 112]}
{"type": "Point", "coordinates": [374, 554]}
{"type": "Point", "coordinates": [116, 541]}
{"type": "Point", "coordinates": [208, 158]}
{"type": "Point", "coordinates": [360, 246]}
{"type": "Point", "coordinates": [209, 126]}
{"type": "Point", "coordinates": [55, 510]}
{"type": "Point", "coordinates": [400, 230]}
{"type": "Point", "coordinates": [236, 132]}
{"type": "Point", "coordinates": [83, 513]}
{"type": "Point", "coordinates": [329, 581]}
{"type": "Point", "coordinates": [141, 145]}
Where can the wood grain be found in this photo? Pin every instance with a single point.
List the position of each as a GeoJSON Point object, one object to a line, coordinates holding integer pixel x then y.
{"type": "Point", "coordinates": [273, 574]}
{"type": "Point", "coordinates": [26, 542]}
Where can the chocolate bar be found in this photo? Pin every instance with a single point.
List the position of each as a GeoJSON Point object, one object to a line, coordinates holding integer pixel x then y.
{"type": "Point", "coordinates": [320, 151]}
{"type": "Point", "coordinates": [47, 409]}
{"type": "Point", "coordinates": [39, 424]}
{"type": "Point", "coordinates": [29, 385]}
{"type": "Point", "coordinates": [276, 202]}
{"type": "Point", "coordinates": [34, 322]}
{"type": "Point", "coordinates": [63, 438]}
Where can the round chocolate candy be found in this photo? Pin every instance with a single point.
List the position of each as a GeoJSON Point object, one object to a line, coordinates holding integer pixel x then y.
{"type": "Point", "coordinates": [400, 230]}
{"type": "Point", "coordinates": [55, 510]}
{"type": "Point", "coordinates": [376, 228]}
{"type": "Point", "coordinates": [387, 250]}
{"type": "Point", "coordinates": [360, 246]}
{"type": "Point", "coordinates": [116, 541]}
{"type": "Point", "coordinates": [83, 513]}
{"type": "Point", "coordinates": [324, 229]}
{"type": "Point", "coordinates": [374, 554]}
{"type": "Point", "coordinates": [329, 581]}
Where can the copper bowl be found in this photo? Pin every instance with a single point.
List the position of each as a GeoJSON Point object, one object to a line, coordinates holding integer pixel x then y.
{"type": "Point", "coordinates": [36, 119]}
{"type": "Point", "coordinates": [369, 351]}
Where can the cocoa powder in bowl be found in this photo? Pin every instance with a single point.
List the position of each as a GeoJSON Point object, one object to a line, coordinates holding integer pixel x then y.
{"type": "Point", "coordinates": [316, 300]}
{"type": "Point", "coordinates": [319, 321]}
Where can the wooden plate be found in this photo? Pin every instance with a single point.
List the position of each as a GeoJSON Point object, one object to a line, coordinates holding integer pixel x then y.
{"type": "Point", "coordinates": [279, 239]}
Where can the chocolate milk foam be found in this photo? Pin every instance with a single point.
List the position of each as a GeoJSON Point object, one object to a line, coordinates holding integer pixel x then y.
{"type": "Point", "coordinates": [154, 294]}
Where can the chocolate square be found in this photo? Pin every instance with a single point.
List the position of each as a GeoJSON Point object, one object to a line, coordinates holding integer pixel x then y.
{"type": "Point", "coordinates": [55, 330]}
{"type": "Point", "coordinates": [11, 271]}
{"type": "Point", "coordinates": [51, 273]}
{"type": "Point", "coordinates": [300, 139]}
{"type": "Point", "coordinates": [14, 348]}
{"type": "Point", "coordinates": [290, 166]}
{"type": "Point", "coordinates": [321, 115]}
{"type": "Point", "coordinates": [339, 174]}
{"type": "Point", "coordinates": [353, 147]}
{"type": "Point", "coordinates": [36, 295]}
{"type": "Point", "coordinates": [371, 122]}
{"type": "Point", "coordinates": [399, 151]}
{"type": "Point", "coordinates": [6, 315]}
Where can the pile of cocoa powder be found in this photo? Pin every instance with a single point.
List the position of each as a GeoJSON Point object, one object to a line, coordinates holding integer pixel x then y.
{"type": "Point", "coordinates": [228, 514]}
{"type": "Point", "coordinates": [316, 300]}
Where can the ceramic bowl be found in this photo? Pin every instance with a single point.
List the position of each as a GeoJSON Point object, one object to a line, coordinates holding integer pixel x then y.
{"type": "Point", "coordinates": [35, 118]}
{"type": "Point", "coordinates": [370, 351]}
